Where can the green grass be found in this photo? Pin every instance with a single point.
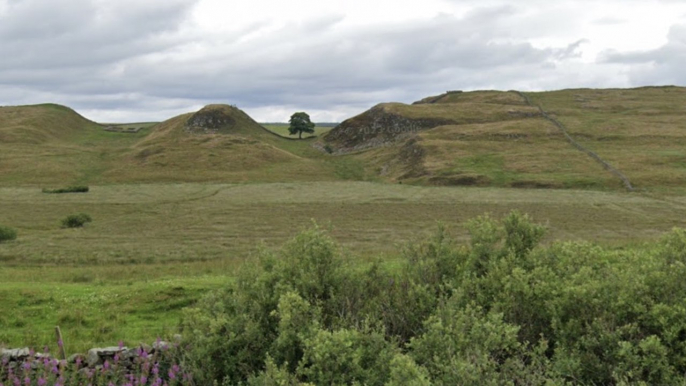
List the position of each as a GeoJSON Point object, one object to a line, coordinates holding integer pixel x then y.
{"type": "Point", "coordinates": [154, 248]}
{"type": "Point", "coordinates": [282, 130]}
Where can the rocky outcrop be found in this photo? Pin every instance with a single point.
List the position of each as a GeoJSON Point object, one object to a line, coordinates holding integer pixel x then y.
{"type": "Point", "coordinates": [375, 128]}
{"type": "Point", "coordinates": [211, 119]}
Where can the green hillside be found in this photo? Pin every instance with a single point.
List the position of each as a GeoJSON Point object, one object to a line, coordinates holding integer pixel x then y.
{"type": "Point", "coordinates": [614, 139]}
{"type": "Point", "coordinates": [510, 139]}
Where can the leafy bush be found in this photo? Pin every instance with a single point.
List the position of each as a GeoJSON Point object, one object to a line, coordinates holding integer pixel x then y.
{"type": "Point", "coordinates": [76, 220]}
{"type": "Point", "coordinates": [500, 310]}
{"type": "Point", "coordinates": [69, 189]}
{"type": "Point", "coordinates": [7, 233]}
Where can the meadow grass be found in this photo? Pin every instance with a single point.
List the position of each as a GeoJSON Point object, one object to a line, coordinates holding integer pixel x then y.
{"type": "Point", "coordinates": [282, 130]}
{"type": "Point", "coordinates": [155, 248]}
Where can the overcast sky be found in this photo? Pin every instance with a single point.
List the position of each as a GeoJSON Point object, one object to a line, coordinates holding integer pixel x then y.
{"type": "Point", "coordinates": [140, 60]}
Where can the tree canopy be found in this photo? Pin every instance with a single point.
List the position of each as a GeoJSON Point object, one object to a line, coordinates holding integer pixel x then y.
{"type": "Point", "coordinates": [300, 123]}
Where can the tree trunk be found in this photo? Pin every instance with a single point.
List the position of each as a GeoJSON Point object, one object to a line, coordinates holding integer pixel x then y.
{"type": "Point", "coordinates": [301, 135]}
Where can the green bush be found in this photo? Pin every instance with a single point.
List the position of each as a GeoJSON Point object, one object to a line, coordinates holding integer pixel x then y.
{"type": "Point", "coordinates": [76, 220]}
{"type": "Point", "coordinates": [69, 189]}
{"type": "Point", "coordinates": [500, 310]}
{"type": "Point", "coordinates": [7, 234]}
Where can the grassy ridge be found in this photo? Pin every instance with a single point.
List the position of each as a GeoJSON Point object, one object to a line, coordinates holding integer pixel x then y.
{"type": "Point", "coordinates": [493, 138]}
{"type": "Point", "coordinates": [641, 131]}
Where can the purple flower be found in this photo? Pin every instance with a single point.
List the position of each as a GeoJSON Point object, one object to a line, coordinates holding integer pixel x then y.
{"type": "Point", "coordinates": [144, 380]}
{"type": "Point", "coordinates": [27, 381]}
{"type": "Point", "coordinates": [121, 344]}
{"type": "Point", "coordinates": [26, 365]}
{"type": "Point", "coordinates": [106, 365]}
{"type": "Point", "coordinates": [60, 343]}
{"type": "Point", "coordinates": [42, 381]}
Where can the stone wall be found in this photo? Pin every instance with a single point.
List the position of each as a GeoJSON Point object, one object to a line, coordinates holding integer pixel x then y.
{"type": "Point", "coordinates": [95, 358]}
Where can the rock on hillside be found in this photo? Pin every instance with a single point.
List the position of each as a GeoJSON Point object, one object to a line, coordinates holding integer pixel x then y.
{"type": "Point", "coordinates": [377, 127]}
{"type": "Point", "coordinates": [217, 118]}
{"type": "Point", "coordinates": [388, 123]}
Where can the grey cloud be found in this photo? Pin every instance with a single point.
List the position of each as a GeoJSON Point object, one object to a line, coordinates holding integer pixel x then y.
{"type": "Point", "coordinates": [37, 34]}
{"type": "Point", "coordinates": [138, 56]}
{"type": "Point", "coordinates": [663, 65]}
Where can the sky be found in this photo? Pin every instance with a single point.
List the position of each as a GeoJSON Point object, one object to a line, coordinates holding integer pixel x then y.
{"type": "Point", "coordinates": [149, 60]}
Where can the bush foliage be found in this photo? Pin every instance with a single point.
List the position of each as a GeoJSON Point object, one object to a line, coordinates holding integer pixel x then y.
{"type": "Point", "coordinates": [501, 310]}
{"type": "Point", "coordinates": [76, 220]}
{"type": "Point", "coordinates": [7, 233]}
{"type": "Point", "coordinates": [69, 189]}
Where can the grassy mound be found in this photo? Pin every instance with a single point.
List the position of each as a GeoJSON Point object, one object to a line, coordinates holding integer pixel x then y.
{"type": "Point", "coordinates": [40, 123]}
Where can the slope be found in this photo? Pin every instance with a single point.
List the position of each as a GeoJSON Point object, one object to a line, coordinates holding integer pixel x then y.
{"type": "Point", "coordinates": [500, 139]}
{"type": "Point", "coordinates": [218, 143]}
{"type": "Point", "coordinates": [40, 123]}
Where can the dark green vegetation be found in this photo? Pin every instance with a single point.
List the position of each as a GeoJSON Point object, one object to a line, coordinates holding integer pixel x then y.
{"type": "Point", "coordinates": [7, 233]}
{"type": "Point", "coordinates": [69, 189]}
{"type": "Point", "coordinates": [76, 220]}
{"type": "Point", "coordinates": [498, 310]}
{"type": "Point", "coordinates": [300, 123]}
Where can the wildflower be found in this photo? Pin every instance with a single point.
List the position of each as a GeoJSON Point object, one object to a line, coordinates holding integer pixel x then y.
{"type": "Point", "coordinates": [42, 381]}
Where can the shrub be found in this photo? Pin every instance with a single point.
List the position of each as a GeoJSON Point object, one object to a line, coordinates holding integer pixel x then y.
{"type": "Point", "coordinates": [7, 233]}
{"type": "Point", "coordinates": [76, 220]}
{"type": "Point", "coordinates": [501, 310]}
{"type": "Point", "coordinates": [69, 189]}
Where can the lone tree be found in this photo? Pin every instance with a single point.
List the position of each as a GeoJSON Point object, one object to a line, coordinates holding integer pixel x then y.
{"type": "Point", "coordinates": [300, 122]}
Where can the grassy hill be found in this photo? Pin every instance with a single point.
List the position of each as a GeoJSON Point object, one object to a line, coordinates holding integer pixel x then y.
{"type": "Point", "coordinates": [482, 138]}
{"type": "Point", "coordinates": [509, 139]}
{"type": "Point", "coordinates": [40, 124]}
{"type": "Point", "coordinates": [50, 145]}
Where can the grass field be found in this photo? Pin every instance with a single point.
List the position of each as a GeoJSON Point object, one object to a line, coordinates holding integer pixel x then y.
{"type": "Point", "coordinates": [154, 248]}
